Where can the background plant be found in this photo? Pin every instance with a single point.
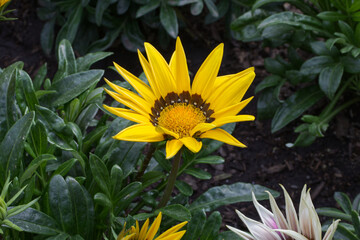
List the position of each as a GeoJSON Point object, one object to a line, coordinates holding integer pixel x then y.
{"type": "Point", "coordinates": [95, 25]}
{"type": "Point", "coordinates": [349, 227]}
{"type": "Point", "coordinates": [321, 65]}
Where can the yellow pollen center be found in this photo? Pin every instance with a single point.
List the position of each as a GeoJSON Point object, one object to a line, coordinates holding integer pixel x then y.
{"type": "Point", "coordinates": [181, 118]}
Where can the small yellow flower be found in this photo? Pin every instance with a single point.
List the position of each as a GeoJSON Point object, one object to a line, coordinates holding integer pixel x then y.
{"type": "Point", "coordinates": [135, 233]}
{"type": "Point", "coordinates": [172, 109]}
{"type": "Point", "coordinates": [2, 2]}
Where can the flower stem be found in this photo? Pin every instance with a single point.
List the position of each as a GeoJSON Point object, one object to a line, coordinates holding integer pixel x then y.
{"type": "Point", "coordinates": [146, 161]}
{"type": "Point", "coordinates": [171, 180]}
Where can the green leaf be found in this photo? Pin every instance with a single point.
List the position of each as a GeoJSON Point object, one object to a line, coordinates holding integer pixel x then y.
{"type": "Point", "coordinates": [196, 225]}
{"type": "Point", "coordinates": [355, 221]}
{"type": "Point", "coordinates": [347, 30]}
{"type": "Point", "coordinates": [152, 5]}
{"type": "Point", "coordinates": [184, 188]}
{"type": "Point", "coordinates": [60, 203]}
{"type": "Point", "coordinates": [25, 83]}
{"type": "Point", "coordinates": [47, 36]}
{"type": "Point", "coordinates": [197, 7]}
{"type": "Point", "coordinates": [198, 173]}
{"type": "Point", "coordinates": [151, 177]}
{"type": "Point", "coordinates": [126, 195]}
{"type": "Point", "coordinates": [274, 66]}
{"type": "Point", "coordinates": [116, 178]}
{"type": "Point", "coordinates": [71, 26]}
{"type": "Point", "coordinates": [330, 79]}
{"type": "Point", "coordinates": [101, 6]}
{"type": "Point", "coordinates": [85, 117]}
{"type": "Point", "coordinates": [177, 212]}
{"type": "Point", "coordinates": [294, 106]}
{"type": "Point", "coordinates": [65, 167]}
{"type": "Point", "coordinates": [268, 82]}
{"type": "Point", "coordinates": [297, 20]}
{"type": "Point", "coordinates": [343, 200]}
{"type": "Point", "coordinates": [103, 200]}
{"type": "Point", "coordinates": [79, 83]}
{"type": "Point", "coordinates": [304, 139]}
{"type": "Point", "coordinates": [84, 63]}
{"type": "Point", "coordinates": [315, 65]}
{"type": "Point", "coordinates": [122, 6]}
{"type": "Point", "coordinates": [50, 119]}
{"type": "Point", "coordinates": [12, 146]}
{"type": "Point", "coordinates": [345, 232]}
{"type": "Point", "coordinates": [351, 64]}
{"type": "Point", "coordinates": [168, 20]}
{"type": "Point", "coordinates": [19, 208]}
{"type": "Point", "coordinates": [83, 208]}
{"type": "Point", "coordinates": [212, 8]}
{"type": "Point", "coordinates": [229, 194]}
{"type": "Point", "coordinates": [210, 160]}
{"type": "Point", "coordinates": [34, 164]}
{"type": "Point", "coordinates": [7, 88]}
{"type": "Point", "coordinates": [66, 61]}
{"type": "Point", "coordinates": [249, 17]}
{"type": "Point", "coordinates": [268, 102]}
{"type": "Point", "coordinates": [100, 173]}
{"type": "Point", "coordinates": [40, 76]}
{"type": "Point", "coordinates": [228, 235]}
{"type": "Point", "coordinates": [212, 226]}
{"type": "Point", "coordinates": [331, 16]}
{"type": "Point", "coordinates": [93, 137]}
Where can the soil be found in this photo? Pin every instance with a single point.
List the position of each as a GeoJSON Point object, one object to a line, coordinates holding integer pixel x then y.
{"type": "Point", "coordinates": [328, 165]}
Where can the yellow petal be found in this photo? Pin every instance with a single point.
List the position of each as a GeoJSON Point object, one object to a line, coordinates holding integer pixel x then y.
{"type": "Point", "coordinates": [172, 230]}
{"type": "Point", "coordinates": [231, 92]}
{"type": "Point", "coordinates": [143, 89]}
{"type": "Point", "coordinates": [225, 78]}
{"type": "Point", "coordinates": [206, 75]}
{"type": "Point", "coordinates": [168, 132]}
{"type": "Point", "coordinates": [175, 236]}
{"type": "Point", "coordinates": [149, 75]}
{"type": "Point", "coordinates": [222, 136]}
{"type": "Point", "coordinates": [230, 119]}
{"type": "Point", "coordinates": [144, 230]}
{"type": "Point", "coordinates": [231, 110]}
{"type": "Point", "coordinates": [154, 228]}
{"type": "Point", "coordinates": [140, 133]}
{"type": "Point", "coordinates": [161, 71]}
{"type": "Point", "coordinates": [127, 114]}
{"type": "Point", "coordinates": [202, 127]}
{"type": "Point", "coordinates": [131, 96]}
{"type": "Point", "coordinates": [127, 102]}
{"type": "Point", "coordinates": [172, 147]}
{"type": "Point", "coordinates": [179, 68]}
{"type": "Point", "coordinates": [192, 144]}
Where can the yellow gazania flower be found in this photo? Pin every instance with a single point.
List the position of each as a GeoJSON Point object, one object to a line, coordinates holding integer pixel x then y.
{"type": "Point", "coordinates": [2, 2]}
{"type": "Point", "coordinates": [134, 233]}
{"type": "Point", "coordinates": [170, 109]}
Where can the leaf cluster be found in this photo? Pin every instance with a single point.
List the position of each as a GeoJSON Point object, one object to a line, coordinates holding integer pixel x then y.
{"type": "Point", "coordinates": [321, 65]}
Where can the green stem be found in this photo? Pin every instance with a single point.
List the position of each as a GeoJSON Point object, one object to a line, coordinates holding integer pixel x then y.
{"type": "Point", "coordinates": [171, 180]}
{"type": "Point", "coordinates": [339, 109]}
{"type": "Point", "coordinates": [146, 161]}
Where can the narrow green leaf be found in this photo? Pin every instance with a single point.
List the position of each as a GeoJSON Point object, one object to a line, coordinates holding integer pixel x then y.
{"type": "Point", "coordinates": [47, 36]}
{"type": "Point", "coordinates": [116, 178]}
{"type": "Point", "coordinates": [126, 195]}
{"type": "Point", "coordinates": [228, 194]}
{"type": "Point", "coordinates": [26, 85]}
{"type": "Point", "coordinates": [83, 208]}
{"type": "Point", "coordinates": [344, 202]}
{"type": "Point", "coordinates": [20, 208]}
{"type": "Point", "coordinates": [294, 106]}
{"type": "Point", "coordinates": [66, 61]}
{"type": "Point", "coordinates": [331, 16]}
{"type": "Point", "coordinates": [184, 188]}
{"type": "Point", "coordinates": [268, 82]}
{"type": "Point", "coordinates": [196, 225]}
{"type": "Point", "coordinates": [100, 173]}
{"type": "Point", "coordinates": [177, 212]}
{"type": "Point", "coordinates": [86, 116]}
{"type": "Point", "coordinates": [345, 232]}
{"type": "Point", "coordinates": [60, 203]}
{"type": "Point", "coordinates": [316, 64]}
{"type": "Point", "coordinates": [103, 200]}
{"type": "Point", "coordinates": [152, 5]}
{"type": "Point", "coordinates": [212, 8]}
{"type": "Point", "coordinates": [351, 64]}
{"type": "Point", "coordinates": [228, 235]}
{"type": "Point", "coordinates": [330, 79]}
{"type": "Point", "coordinates": [34, 221]}
{"type": "Point", "coordinates": [34, 164]}
{"type": "Point", "coordinates": [93, 137]}
{"type": "Point", "coordinates": [79, 82]}
{"type": "Point", "coordinates": [51, 120]}
{"type": "Point", "coordinates": [11, 225]}
{"type": "Point", "coordinates": [122, 6]}
{"type": "Point", "coordinates": [84, 63]}
{"type": "Point", "coordinates": [197, 7]}
{"type": "Point", "coordinates": [355, 221]}
{"type": "Point", "coordinates": [65, 167]}
{"type": "Point", "coordinates": [168, 20]}
{"type": "Point", "coordinates": [212, 226]}
{"type": "Point", "coordinates": [40, 76]}
{"type": "Point", "coordinates": [198, 173]}
{"type": "Point", "coordinates": [12, 146]}
{"type": "Point", "coordinates": [101, 6]}
{"type": "Point", "coordinates": [210, 160]}
{"type": "Point", "coordinates": [347, 30]}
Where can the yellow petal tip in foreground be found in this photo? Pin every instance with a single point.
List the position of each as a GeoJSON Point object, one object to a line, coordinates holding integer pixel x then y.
{"type": "Point", "coordinates": [171, 108]}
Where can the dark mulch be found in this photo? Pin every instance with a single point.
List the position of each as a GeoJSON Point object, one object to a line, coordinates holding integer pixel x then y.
{"type": "Point", "coordinates": [329, 165]}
